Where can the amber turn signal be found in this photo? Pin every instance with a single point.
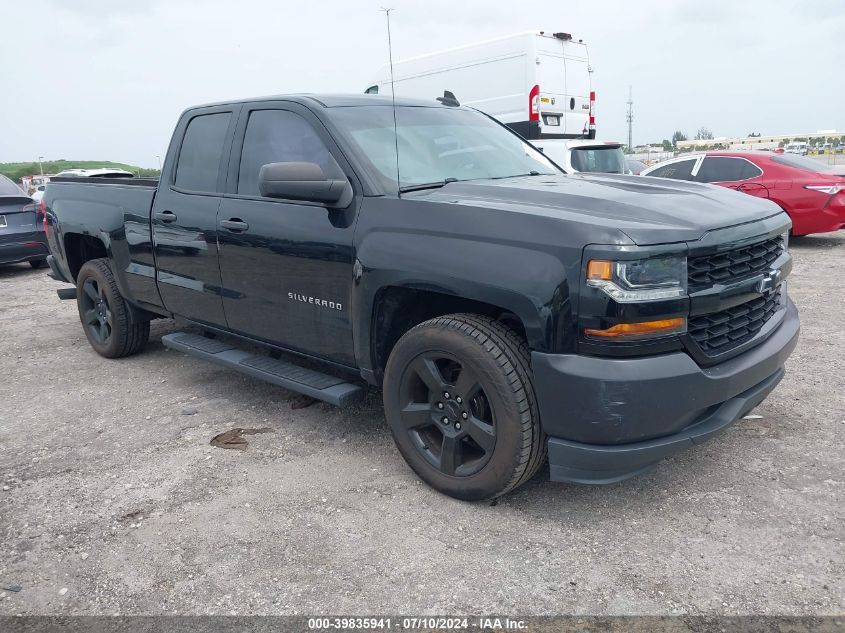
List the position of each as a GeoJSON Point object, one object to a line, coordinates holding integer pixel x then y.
{"type": "Point", "coordinates": [640, 330]}
{"type": "Point", "coordinates": [600, 269]}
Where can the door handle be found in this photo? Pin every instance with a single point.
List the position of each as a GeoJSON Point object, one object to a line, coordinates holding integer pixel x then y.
{"type": "Point", "coordinates": [234, 224]}
{"type": "Point", "coordinates": [166, 216]}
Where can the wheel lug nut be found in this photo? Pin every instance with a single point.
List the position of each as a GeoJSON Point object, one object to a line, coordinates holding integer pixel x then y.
{"type": "Point", "coordinates": [446, 395]}
{"type": "Point", "coordinates": [445, 420]}
{"type": "Point", "coordinates": [458, 426]}
{"type": "Point", "coordinates": [439, 405]}
{"type": "Point", "coordinates": [464, 415]}
{"type": "Point", "coordinates": [459, 400]}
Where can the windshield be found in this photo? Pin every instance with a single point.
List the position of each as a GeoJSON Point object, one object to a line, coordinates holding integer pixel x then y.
{"type": "Point", "coordinates": [802, 162]}
{"type": "Point", "coordinates": [437, 145]}
{"type": "Point", "coordinates": [606, 160]}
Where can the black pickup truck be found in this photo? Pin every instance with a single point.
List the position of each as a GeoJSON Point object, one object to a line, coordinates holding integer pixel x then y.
{"type": "Point", "coordinates": [508, 311]}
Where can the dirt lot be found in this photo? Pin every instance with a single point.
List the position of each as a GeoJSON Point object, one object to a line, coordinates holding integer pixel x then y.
{"type": "Point", "coordinates": [113, 501]}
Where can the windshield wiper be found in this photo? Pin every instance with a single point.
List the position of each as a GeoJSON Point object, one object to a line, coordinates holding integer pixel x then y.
{"type": "Point", "coordinates": [427, 185]}
{"type": "Point", "coordinates": [530, 173]}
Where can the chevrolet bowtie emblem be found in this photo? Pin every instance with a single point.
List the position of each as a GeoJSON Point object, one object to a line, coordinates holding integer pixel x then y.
{"type": "Point", "coordinates": [769, 282]}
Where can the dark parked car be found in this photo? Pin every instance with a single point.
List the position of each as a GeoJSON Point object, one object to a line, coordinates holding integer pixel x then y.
{"type": "Point", "coordinates": [22, 237]}
{"type": "Point", "coordinates": [507, 310]}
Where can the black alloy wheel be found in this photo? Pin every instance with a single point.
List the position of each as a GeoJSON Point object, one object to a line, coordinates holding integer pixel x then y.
{"type": "Point", "coordinates": [447, 416]}
{"type": "Point", "coordinates": [459, 399]}
{"type": "Point", "coordinates": [113, 328]}
{"type": "Point", "coordinates": [97, 317]}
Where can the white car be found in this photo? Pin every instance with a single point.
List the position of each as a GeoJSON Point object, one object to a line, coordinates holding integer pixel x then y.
{"type": "Point", "coordinates": [103, 172]}
{"type": "Point", "coordinates": [581, 155]}
{"type": "Point", "coordinates": [38, 194]}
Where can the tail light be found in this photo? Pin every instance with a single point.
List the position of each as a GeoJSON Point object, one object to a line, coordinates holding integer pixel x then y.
{"type": "Point", "coordinates": [830, 190]}
{"type": "Point", "coordinates": [534, 104]}
{"type": "Point", "coordinates": [592, 109]}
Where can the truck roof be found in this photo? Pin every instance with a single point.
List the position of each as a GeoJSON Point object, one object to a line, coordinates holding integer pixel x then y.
{"type": "Point", "coordinates": [335, 100]}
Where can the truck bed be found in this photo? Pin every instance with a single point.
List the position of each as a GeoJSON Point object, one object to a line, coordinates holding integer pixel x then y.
{"type": "Point", "coordinates": [115, 207]}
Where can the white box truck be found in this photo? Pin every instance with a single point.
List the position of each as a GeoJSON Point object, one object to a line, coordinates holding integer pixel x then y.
{"type": "Point", "coordinates": [536, 82]}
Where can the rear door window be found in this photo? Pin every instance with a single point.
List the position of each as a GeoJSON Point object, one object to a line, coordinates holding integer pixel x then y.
{"type": "Point", "coordinates": [750, 170]}
{"type": "Point", "coordinates": [726, 169]}
{"type": "Point", "coordinates": [198, 166]}
{"type": "Point", "coordinates": [278, 136]}
{"type": "Point", "coordinates": [682, 170]}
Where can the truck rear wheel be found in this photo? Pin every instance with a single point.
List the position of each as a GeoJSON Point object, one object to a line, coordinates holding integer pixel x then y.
{"type": "Point", "coordinates": [109, 323]}
{"type": "Point", "coordinates": [460, 404]}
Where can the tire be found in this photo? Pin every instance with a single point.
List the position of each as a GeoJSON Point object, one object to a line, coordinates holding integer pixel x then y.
{"type": "Point", "coordinates": [37, 263]}
{"type": "Point", "coordinates": [460, 403]}
{"type": "Point", "coordinates": [109, 323]}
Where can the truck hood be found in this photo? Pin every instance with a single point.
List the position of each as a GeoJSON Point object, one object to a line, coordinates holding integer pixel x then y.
{"type": "Point", "coordinates": [646, 210]}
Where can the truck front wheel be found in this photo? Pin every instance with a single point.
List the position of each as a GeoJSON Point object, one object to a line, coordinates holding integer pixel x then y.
{"type": "Point", "coordinates": [460, 404]}
{"type": "Point", "coordinates": [110, 326]}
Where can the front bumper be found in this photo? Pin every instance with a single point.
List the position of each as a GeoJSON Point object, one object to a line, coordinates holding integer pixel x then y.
{"type": "Point", "coordinates": [610, 419]}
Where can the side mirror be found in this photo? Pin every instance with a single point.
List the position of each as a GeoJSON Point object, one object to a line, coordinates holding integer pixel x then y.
{"type": "Point", "coordinates": [303, 181]}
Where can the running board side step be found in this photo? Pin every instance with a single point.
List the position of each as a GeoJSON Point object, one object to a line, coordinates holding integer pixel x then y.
{"type": "Point", "coordinates": [285, 374]}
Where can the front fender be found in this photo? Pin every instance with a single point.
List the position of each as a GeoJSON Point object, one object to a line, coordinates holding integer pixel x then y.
{"type": "Point", "coordinates": [525, 277]}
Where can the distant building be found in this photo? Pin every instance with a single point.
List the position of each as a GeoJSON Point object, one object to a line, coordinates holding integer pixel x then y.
{"type": "Point", "coordinates": [756, 142]}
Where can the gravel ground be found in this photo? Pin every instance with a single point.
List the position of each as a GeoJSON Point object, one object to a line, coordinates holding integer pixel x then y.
{"type": "Point", "coordinates": [113, 501]}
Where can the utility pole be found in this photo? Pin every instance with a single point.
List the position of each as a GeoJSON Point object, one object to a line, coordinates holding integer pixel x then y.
{"type": "Point", "coordinates": [40, 168]}
{"type": "Point", "coordinates": [159, 161]}
{"type": "Point", "coordinates": [630, 119]}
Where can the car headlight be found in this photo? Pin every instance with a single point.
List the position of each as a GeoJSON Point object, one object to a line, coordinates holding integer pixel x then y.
{"type": "Point", "coordinates": [635, 281]}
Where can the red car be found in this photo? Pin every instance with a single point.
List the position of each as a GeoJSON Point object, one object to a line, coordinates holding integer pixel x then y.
{"type": "Point", "coordinates": [808, 190]}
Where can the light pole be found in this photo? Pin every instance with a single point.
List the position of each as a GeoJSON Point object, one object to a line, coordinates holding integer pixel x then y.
{"type": "Point", "coordinates": [159, 161]}
{"type": "Point", "coordinates": [40, 168]}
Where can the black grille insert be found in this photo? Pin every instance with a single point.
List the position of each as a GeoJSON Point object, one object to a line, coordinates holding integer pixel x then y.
{"type": "Point", "coordinates": [734, 265]}
{"type": "Point", "coordinates": [722, 331]}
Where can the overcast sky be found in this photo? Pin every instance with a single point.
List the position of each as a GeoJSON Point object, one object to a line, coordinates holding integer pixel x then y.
{"type": "Point", "coordinates": [92, 79]}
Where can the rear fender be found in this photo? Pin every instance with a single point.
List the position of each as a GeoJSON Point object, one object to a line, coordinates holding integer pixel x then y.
{"type": "Point", "coordinates": [98, 221]}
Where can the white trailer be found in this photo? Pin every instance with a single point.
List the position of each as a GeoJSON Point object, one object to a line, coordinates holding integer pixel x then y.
{"type": "Point", "coordinates": [536, 82]}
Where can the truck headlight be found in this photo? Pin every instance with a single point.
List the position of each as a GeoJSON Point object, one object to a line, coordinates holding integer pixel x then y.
{"type": "Point", "coordinates": [639, 280]}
